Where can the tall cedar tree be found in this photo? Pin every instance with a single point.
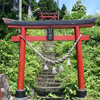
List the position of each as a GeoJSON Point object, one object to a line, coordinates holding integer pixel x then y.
{"type": "Point", "coordinates": [34, 5]}
{"type": "Point", "coordinates": [5, 6]}
{"type": "Point", "coordinates": [34, 8]}
{"type": "Point", "coordinates": [62, 11]}
{"type": "Point", "coordinates": [25, 4]}
{"type": "Point", "coordinates": [78, 10]}
{"type": "Point", "coordinates": [47, 6]}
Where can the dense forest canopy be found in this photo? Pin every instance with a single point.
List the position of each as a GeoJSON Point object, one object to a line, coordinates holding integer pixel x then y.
{"type": "Point", "coordinates": [9, 51]}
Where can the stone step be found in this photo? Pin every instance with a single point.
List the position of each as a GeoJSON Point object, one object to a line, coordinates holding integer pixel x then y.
{"type": "Point", "coordinates": [47, 71]}
{"type": "Point", "coordinates": [47, 80]}
{"type": "Point", "coordinates": [46, 76]}
{"type": "Point", "coordinates": [50, 98]}
{"type": "Point", "coordinates": [44, 93]}
{"type": "Point", "coordinates": [48, 89]}
{"type": "Point", "coordinates": [49, 84]}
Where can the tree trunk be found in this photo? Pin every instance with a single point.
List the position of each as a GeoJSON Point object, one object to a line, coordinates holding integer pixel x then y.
{"type": "Point", "coordinates": [20, 10]}
{"type": "Point", "coordinates": [3, 6]}
{"type": "Point", "coordinates": [58, 8]}
{"type": "Point", "coordinates": [29, 9]}
{"type": "Point", "coordinates": [14, 5]}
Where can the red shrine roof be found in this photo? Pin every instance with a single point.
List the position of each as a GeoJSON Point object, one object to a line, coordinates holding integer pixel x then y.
{"type": "Point", "coordinates": [57, 24]}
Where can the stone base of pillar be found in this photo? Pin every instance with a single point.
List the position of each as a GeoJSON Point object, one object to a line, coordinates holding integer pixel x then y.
{"type": "Point", "coordinates": [81, 93]}
{"type": "Point", "coordinates": [26, 98]}
{"type": "Point", "coordinates": [20, 94]}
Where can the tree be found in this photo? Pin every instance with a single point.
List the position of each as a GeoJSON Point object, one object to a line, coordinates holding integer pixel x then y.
{"type": "Point", "coordinates": [20, 10]}
{"type": "Point", "coordinates": [29, 9]}
{"type": "Point", "coordinates": [47, 5]}
{"type": "Point", "coordinates": [34, 7]}
{"type": "Point", "coordinates": [62, 11]}
{"type": "Point", "coordinates": [78, 10]}
{"type": "Point", "coordinates": [3, 6]}
{"type": "Point", "coordinates": [14, 5]}
{"type": "Point", "coordinates": [67, 16]}
{"type": "Point", "coordinates": [25, 4]}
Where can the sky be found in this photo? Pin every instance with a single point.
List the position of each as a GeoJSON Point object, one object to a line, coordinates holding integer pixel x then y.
{"type": "Point", "coordinates": [93, 6]}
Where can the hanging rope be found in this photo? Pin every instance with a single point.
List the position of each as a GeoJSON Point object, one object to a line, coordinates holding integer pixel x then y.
{"type": "Point", "coordinates": [54, 61]}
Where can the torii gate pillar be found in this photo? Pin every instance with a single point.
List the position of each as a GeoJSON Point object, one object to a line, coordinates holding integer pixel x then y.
{"type": "Point", "coordinates": [20, 93]}
{"type": "Point", "coordinates": [81, 92]}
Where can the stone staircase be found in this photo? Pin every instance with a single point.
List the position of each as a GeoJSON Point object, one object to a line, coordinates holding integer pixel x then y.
{"type": "Point", "coordinates": [47, 84]}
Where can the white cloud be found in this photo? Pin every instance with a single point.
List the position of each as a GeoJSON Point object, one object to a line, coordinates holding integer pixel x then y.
{"type": "Point", "coordinates": [98, 11]}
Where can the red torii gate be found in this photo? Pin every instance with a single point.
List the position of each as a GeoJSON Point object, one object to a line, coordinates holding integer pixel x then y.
{"type": "Point", "coordinates": [48, 15]}
{"type": "Point", "coordinates": [75, 24]}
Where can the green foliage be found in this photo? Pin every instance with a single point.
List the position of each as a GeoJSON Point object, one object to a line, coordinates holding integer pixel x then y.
{"type": "Point", "coordinates": [34, 5]}
{"type": "Point", "coordinates": [6, 4]}
{"type": "Point", "coordinates": [78, 10]}
{"type": "Point", "coordinates": [67, 16]}
{"type": "Point", "coordinates": [25, 4]}
{"type": "Point", "coordinates": [98, 21]}
{"type": "Point", "coordinates": [78, 6]}
{"type": "Point", "coordinates": [9, 55]}
{"type": "Point", "coordinates": [3, 28]}
{"type": "Point", "coordinates": [9, 62]}
{"type": "Point", "coordinates": [52, 95]}
{"type": "Point", "coordinates": [47, 6]}
{"type": "Point", "coordinates": [63, 11]}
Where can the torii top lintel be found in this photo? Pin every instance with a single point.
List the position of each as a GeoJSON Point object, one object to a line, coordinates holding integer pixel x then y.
{"type": "Point", "coordinates": [48, 15]}
{"type": "Point", "coordinates": [58, 24]}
